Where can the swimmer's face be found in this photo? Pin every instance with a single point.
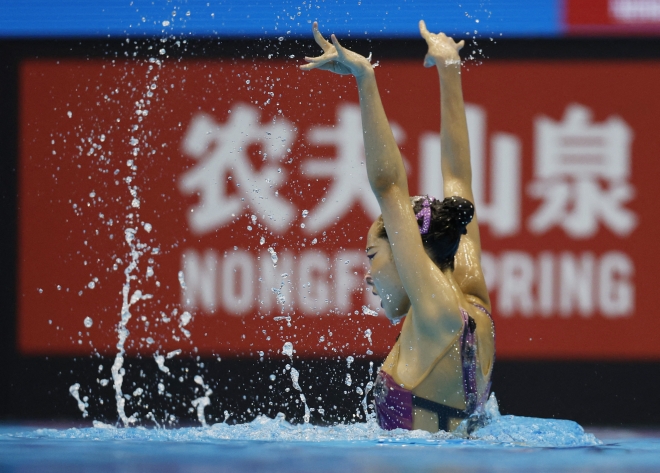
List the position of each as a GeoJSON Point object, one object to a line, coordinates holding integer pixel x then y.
{"type": "Point", "coordinates": [383, 277]}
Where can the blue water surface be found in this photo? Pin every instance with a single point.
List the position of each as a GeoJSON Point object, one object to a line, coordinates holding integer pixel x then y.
{"type": "Point", "coordinates": [508, 443]}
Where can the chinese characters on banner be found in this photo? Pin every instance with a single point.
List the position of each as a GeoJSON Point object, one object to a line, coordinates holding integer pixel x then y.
{"type": "Point", "coordinates": [253, 204]}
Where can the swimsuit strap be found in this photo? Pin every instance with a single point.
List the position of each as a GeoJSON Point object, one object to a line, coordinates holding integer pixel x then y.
{"type": "Point", "coordinates": [482, 309]}
{"type": "Point", "coordinates": [484, 397]}
{"type": "Point", "coordinates": [469, 362]}
{"type": "Point", "coordinates": [444, 413]}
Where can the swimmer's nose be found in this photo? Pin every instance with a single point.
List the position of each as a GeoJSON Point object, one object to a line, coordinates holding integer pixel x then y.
{"type": "Point", "coordinates": [370, 282]}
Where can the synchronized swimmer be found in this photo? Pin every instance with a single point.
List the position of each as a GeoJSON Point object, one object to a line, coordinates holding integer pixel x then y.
{"type": "Point", "coordinates": [425, 257]}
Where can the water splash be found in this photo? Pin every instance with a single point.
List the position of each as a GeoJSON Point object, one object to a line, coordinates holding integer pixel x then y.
{"type": "Point", "coordinates": [74, 390]}
{"type": "Point", "coordinates": [294, 379]}
{"type": "Point", "coordinates": [160, 361]}
{"type": "Point", "coordinates": [184, 320]}
{"type": "Point", "coordinates": [287, 350]}
{"type": "Point", "coordinates": [173, 353]}
{"type": "Point", "coordinates": [367, 335]}
{"type": "Point", "coordinates": [367, 311]}
{"type": "Point", "coordinates": [273, 255]}
{"type": "Point", "coordinates": [117, 369]}
{"type": "Point", "coordinates": [506, 432]}
{"type": "Point", "coordinates": [203, 401]}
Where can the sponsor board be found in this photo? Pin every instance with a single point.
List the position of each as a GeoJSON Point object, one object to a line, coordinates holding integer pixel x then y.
{"type": "Point", "coordinates": [243, 189]}
{"type": "Point", "coordinates": [598, 17]}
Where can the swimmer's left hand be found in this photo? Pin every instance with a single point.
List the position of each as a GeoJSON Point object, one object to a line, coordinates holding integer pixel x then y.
{"type": "Point", "coordinates": [443, 50]}
{"type": "Point", "coordinates": [336, 58]}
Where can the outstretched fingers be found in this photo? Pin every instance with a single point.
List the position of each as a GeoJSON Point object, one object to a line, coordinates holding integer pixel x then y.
{"type": "Point", "coordinates": [422, 30]}
{"type": "Point", "coordinates": [315, 62]}
{"type": "Point", "coordinates": [318, 37]}
{"type": "Point", "coordinates": [341, 52]}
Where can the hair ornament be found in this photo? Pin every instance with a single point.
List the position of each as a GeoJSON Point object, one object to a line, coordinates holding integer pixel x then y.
{"type": "Point", "coordinates": [425, 213]}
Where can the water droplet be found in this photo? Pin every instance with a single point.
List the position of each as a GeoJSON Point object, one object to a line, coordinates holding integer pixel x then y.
{"type": "Point", "coordinates": [88, 322]}
{"type": "Point", "coordinates": [185, 318]}
{"type": "Point", "coordinates": [160, 361]}
{"type": "Point", "coordinates": [287, 349]}
{"type": "Point", "coordinates": [166, 23]}
{"type": "Point", "coordinates": [69, 114]}
{"type": "Point", "coordinates": [273, 256]}
{"type": "Point", "coordinates": [174, 353]}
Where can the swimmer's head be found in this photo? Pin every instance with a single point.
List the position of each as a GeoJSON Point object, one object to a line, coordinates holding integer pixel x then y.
{"type": "Point", "coordinates": [441, 225]}
{"type": "Point", "coordinates": [383, 277]}
{"type": "Point", "coordinates": [441, 230]}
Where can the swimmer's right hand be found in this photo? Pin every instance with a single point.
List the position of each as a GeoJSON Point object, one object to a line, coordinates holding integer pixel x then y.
{"type": "Point", "coordinates": [336, 58]}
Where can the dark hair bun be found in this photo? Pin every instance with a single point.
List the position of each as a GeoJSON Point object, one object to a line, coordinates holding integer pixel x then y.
{"type": "Point", "coordinates": [441, 230]}
{"type": "Point", "coordinates": [459, 212]}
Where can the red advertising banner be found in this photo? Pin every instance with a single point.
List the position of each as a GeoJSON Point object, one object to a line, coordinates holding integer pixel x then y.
{"type": "Point", "coordinates": [220, 207]}
{"type": "Point", "coordinates": [598, 17]}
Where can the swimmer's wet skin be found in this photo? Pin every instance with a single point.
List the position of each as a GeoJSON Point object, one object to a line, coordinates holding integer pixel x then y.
{"type": "Point", "coordinates": [425, 258]}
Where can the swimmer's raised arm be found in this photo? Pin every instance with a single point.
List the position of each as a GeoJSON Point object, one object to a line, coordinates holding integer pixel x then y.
{"type": "Point", "coordinates": [455, 156]}
{"type": "Point", "coordinates": [384, 163]}
{"type": "Point", "coordinates": [428, 289]}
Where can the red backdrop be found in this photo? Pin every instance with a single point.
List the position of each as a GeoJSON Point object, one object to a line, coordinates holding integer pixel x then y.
{"type": "Point", "coordinates": [598, 17]}
{"type": "Point", "coordinates": [215, 162]}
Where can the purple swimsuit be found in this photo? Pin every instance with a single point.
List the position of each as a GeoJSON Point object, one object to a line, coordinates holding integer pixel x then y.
{"type": "Point", "coordinates": [394, 404]}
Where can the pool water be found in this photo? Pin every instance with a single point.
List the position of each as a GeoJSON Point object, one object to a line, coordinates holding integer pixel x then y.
{"type": "Point", "coordinates": [508, 444]}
